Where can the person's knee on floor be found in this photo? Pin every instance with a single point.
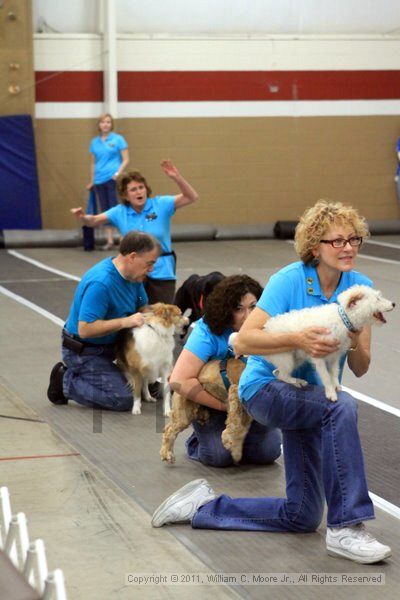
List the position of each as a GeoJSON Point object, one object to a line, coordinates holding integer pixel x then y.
{"type": "Point", "coordinates": [106, 400]}
{"type": "Point", "coordinates": [306, 519]}
{"type": "Point", "coordinates": [217, 459]}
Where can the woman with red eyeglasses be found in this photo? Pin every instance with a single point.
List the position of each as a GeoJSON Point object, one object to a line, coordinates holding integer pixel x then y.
{"type": "Point", "coordinates": [321, 444]}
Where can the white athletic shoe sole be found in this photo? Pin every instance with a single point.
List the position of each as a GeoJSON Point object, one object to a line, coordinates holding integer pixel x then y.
{"type": "Point", "coordinates": [364, 560]}
{"type": "Point", "coordinates": [181, 506]}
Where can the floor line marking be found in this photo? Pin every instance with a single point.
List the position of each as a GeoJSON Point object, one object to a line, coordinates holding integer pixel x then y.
{"type": "Point", "coordinates": [384, 260]}
{"type": "Point", "coordinates": [32, 306]}
{"type": "Point", "coordinates": [372, 401]}
{"type": "Point", "coordinates": [383, 504]}
{"type": "Point", "coordinates": [39, 456]}
{"type": "Point", "coordinates": [21, 419]}
{"type": "Point", "coordinates": [385, 244]}
{"type": "Point", "coordinates": [41, 265]}
{"type": "Point", "coordinates": [41, 280]}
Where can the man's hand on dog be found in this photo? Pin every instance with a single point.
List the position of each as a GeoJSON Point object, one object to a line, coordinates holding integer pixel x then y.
{"type": "Point", "coordinates": [136, 320]}
{"type": "Point", "coordinates": [315, 342]}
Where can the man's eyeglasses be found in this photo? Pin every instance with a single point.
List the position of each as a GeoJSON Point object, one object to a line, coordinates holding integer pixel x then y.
{"type": "Point", "coordinates": [341, 243]}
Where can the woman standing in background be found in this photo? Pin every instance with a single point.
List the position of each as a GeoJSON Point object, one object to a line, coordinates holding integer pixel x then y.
{"type": "Point", "coordinates": [109, 157]}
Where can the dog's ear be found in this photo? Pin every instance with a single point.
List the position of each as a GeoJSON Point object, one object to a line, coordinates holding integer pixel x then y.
{"type": "Point", "coordinates": [156, 307]}
{"type": "Point", "coordinates": [176, 310]}
{"type": "Point", "coordinates": [165, 311]}
{"type": "Point", "coordinates": [354, 298]}
{"type": "Point", "coordinates": [146, 309]}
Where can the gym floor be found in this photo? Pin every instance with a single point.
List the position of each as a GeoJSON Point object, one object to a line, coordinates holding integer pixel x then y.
{"type": "Point", "coordinates": [89, 481]}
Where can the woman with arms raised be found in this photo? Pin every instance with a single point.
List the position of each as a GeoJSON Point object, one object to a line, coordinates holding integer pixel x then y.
{"type": "Point", "coordinates": [142, 212]}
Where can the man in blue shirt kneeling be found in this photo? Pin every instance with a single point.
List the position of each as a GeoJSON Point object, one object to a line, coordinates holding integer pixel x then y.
{"type": "Point", "coordinates": [106, 300]}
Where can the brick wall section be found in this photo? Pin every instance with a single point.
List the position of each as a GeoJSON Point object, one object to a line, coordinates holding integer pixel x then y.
{"type": "Point", "coordinates": [246, 170]}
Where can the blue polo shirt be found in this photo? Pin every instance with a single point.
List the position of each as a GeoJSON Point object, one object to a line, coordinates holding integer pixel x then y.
{"type": "Point", "coordinates": [104, 294]}
{"type": "Point", "coordinates": [205, 344]}
{"type": "Point", "coordinates": [293, 287]}
{"type": "Point", "coordinates": [155, 218]}
{"type": "Point", "coordinates": [107, 156]}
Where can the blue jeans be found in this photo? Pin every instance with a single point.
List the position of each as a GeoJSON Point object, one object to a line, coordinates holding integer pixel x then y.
{"type": "Point", "coordinates": [323, 459]}
{"type": "Point", "coordinates": [262, 444]}
{"type": "Point", "coordinates": [92, 379]}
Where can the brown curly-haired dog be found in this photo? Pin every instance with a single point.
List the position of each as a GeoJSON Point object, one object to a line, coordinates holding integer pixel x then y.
{"type": "Point", "coordinates": [185, 411]}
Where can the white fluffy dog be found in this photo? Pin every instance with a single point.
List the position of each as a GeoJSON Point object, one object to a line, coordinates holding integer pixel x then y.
{"type": "Point", "coordinates": [357, 307]}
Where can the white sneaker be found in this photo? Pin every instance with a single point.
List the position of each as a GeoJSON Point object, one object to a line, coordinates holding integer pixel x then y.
{"type": "Point", "coordinates": [353, 542]}
{"type": "Point", "coordinates": [182, 505]}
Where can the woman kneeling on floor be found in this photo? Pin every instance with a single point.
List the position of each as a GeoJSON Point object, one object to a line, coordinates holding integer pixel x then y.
{"type": "Point", "coordinates": [321, 443]}
{"type": "Point", "coordinates": [227, 307]}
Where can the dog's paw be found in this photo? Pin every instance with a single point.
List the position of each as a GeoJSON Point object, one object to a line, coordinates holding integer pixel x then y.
{"type": "Point", "coordinates": [331, 395]}
{"type": "Point", "coordinates": [338, 388]}
{"type": "Point", "coordinates": [229, 444]}
{"type": "Point", "coordinates": [236, 454]}
{"type": "Point", "coordinates": [167, 411]}
{"type": "Point", "coordinates": [168, 457]}
{"type": "Point", "coordinates": [137, 409]}
{"type": "Point", "coordinates": [301, 383]}
{"type": "Point", "coordinates": [150, 399]}
{"type": "Point", "coordinates": [226, 440]}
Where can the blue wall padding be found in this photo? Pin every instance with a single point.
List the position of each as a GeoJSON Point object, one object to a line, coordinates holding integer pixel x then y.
{"type": "Point", "coordinates": [19, 186]}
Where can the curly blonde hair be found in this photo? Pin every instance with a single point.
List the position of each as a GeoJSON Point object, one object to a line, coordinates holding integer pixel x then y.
{"type": "Point", "coordinates": [316, 220]}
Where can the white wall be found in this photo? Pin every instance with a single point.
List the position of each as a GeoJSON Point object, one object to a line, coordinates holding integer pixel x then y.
{"type": "Point", "coordinates": [226, 16]}
{"type": "Point", "coordinates": [145, 53]}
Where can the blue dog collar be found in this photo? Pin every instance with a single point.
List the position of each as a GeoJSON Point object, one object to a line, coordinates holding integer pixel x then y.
{"type": "Point", "coordinates": [346, 319]}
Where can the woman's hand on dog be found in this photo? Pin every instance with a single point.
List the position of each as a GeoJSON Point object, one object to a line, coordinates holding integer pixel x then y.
{"type": "Point", "coordinates": [354, 336]}
{"type": "Point", "coordinates": [314, 341]}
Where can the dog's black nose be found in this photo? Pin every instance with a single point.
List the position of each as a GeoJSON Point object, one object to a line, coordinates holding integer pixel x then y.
{"type": "Point", "coordinates": [393, 304]}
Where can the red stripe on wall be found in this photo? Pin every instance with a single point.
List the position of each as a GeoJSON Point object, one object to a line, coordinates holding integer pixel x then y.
{"type": "Point", "coordinates": [257, 85]}
{"type": "Point", "coordinates": [69, 86]}
{"type": "Point", "coordinates": [181, 86]}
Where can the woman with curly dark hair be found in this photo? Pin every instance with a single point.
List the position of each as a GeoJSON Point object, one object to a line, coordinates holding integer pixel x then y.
{"type": "Point", "coordinates": [227, 307]}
